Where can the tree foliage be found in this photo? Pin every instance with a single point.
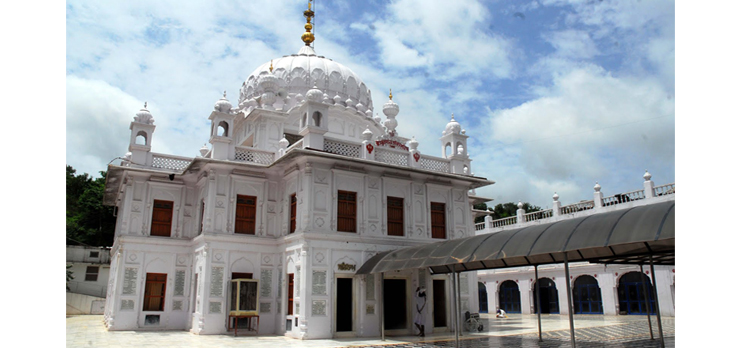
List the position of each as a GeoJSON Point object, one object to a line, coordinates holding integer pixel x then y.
{"type": "Point", "coordinates": [504, 210]}
{"type": "Point", "coordinates": [88, 221]}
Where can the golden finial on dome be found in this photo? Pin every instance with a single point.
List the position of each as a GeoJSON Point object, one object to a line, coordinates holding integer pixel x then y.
{"type": "Point", "coordinates": [271, 65]}
{"type": "Point", "coordinates": [390, 94]}
{"type": "Point", "coordinates": [308, 37]}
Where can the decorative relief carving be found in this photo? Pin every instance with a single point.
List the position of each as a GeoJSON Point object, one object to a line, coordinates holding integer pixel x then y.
{"type": "Point", "coordinates": [219, 203]}
{"type": "Point", "coordinates": [215, 307]}
{"type": "Point", "coordinates": [266, 259]}
{"type": "Point", "coordinates": [178, 286]}
{"type": "Point", "coordinates": [265, 307]}
{"type": "Point", "coordinates": [216, 282]}
{"type": "Point", "coordinates": [129, 281]}
{"type": "Point", "coordinates": [373, 183]}
{"type": "Point", "coordinates": [266, 289]}
{"type": "Point", "coordinates": [127, 305]}
{"type": "Point", "coordinates": [217, 257]}
{"type": "Point", "coordinates": [318, 307]}
{"type": "Point", "coordinates": [136, 207]}
{"type": "Point", "coordinates": [319, 222]}
{"type": "Point", "coordinates": [319, 282]}
{"type": "Point", "coordinates": [370, 309]}
{"type": "Point", "coordinates": [181, 260]}
{"type": "Point", "coordinates": [319, 257]}
{"type": "Point", "coordinates": [177, 305]}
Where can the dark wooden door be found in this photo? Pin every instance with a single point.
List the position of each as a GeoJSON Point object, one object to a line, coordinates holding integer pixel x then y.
{"type": "Point", "coordinates": [162, 216]}
{"type": "Point", "coordinates": [246, 211]}
{"type": "Point", "coordinates": [395, 216]}
{"type": "Point", "coordinates": [290, 294]}
{"type": "Point", "coordinates": [438, 219]}
{"type": "Point", "coordinates": [347, 211]}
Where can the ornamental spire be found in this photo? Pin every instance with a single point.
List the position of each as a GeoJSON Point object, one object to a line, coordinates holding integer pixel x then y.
{"type": "Point", "coordinates": [390, 94]}
{"type": "Point", "coordinates": [271, 65]}
{"type": "Point", "coordinates": [308, 37]}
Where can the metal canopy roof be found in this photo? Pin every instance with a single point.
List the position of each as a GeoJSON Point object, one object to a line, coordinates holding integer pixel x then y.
{"type": "Point", "coordinates": [626, 236]}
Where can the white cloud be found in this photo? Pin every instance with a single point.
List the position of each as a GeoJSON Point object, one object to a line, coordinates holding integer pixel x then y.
{"type": "Point", "coordinates": [572, 43]}
{"type": "Point", "coordinates": [448, 38]}
{"type": "Point", "coordinates": [588, 126]}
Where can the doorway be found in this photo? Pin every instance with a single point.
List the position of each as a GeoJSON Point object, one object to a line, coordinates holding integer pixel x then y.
{"type": "Point", "coordinates": [344, 304]}
{"type": "Point", "coordinates": [548, 296]}
{"type": "Point", "coordinates": [509, 298]}
{"type": "Point", "coordinates": [439, 303]}
{"type": "Point", "coordinates": [586, 295]}
{"type": "Point", "coordinates": [482, 295]}
{"type": "Point", "coordinates": [632, 294]}
{"type": "Point", "coordinates": [394, 304]}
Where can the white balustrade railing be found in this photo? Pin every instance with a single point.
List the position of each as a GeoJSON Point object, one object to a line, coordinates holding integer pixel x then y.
{"type": "Point", "coordinates": [434, 163]}
{"type": "Point", "coordinates": [400, 158]}
{"type": "Point", "coordinates": [623, 198]}
{"type": "Point", "coordinates": [479, 226]}
{"type": "Point", "coordinates": [538, 215]}
{"type": "Point", "coordinates": [248, 154]}
{"type": "Point", "coordinates": [503, 222]}
{"type": "Point", "coordinates": [169, 162]}
{"type": "Point", "coordinates": [341, 148]}
{"type": "Point", "coordinates": [297, 145]}
{"type": "Point", "coordinates": [668, 189]}
{"type": "Point", "coordinates": [573, 208]}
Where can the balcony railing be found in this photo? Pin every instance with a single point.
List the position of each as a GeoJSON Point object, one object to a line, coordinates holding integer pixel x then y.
{"type": "Point", "coordinates": [248, 154]}
{"type": "Point", "coordinates": [169, 162]}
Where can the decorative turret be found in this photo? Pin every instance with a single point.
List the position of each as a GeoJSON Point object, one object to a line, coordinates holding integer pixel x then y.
{"type": "Point", "coordinates": [314, 121]}
{"type": "Point", "coordinates": [222, 129]}
{"type": "Point", "coordinates": [454, 147]}
{"type": "Point", "coordinates": [390, 110]}
{"type": "Point", "coordinates": [141, 136]}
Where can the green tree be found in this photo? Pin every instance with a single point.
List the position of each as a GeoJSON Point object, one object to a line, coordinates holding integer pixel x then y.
{"type": "Point", "coordinates": [88, 221]}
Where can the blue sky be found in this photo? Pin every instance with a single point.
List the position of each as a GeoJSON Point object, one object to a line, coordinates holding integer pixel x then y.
{"type": "Point", "coordinates": [555, 94]}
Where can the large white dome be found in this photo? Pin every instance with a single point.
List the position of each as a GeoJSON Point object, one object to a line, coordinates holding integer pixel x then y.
{"type": "Point", "coordinates": [297, 73]}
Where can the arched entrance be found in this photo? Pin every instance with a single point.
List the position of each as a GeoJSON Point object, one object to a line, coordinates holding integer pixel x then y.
{"type": "Point", "coordinates": [586, 295]}
{"type": "Point", "coordinates": [509, 298]}
{"type": "Point", "coordinates": [482, 294]}
{"type": "Point", "coordinates": [548, 296]}
{"type": "Point", "coordinates": [632, 294]}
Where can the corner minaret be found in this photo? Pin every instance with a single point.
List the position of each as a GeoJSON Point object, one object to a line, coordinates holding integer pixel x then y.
{"type": "Point", "coordinates": [454, 147]}
{"type": "Point", "coordinates": [222, 130]}
{"type": "Point", "coordinates": [142, 128]}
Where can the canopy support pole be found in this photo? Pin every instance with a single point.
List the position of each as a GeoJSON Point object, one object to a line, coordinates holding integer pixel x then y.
{"type": "Point", "coordinates": [657, 308]}
{"type": "Point", "coordinates": [537, 303]}
{"type": "Point", "coordinates": [569, 300]}
{"type": "Point", "coordinates": [647, 301]}
{"type": "Point", "coordinates": [453, 300]}
{"type": "Point", "coordinates": [458, 304]}
{"type": "Point", "coordinates": [382, 306]}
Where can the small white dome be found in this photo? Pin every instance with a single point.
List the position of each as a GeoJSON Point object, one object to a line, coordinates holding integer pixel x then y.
{"type": "Point", "coordinates": [314, 94]}
{"type": "Point", "coordinates": [144, 116]}
{"type": "Point", "coordinates": [223, 105]}
{"type": "Point", "coordinates": [452, 127]}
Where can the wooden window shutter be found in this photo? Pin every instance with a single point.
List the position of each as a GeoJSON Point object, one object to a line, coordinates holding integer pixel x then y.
{"type": "Point", "coordinates": [395, 216]}
{"type": "Point", "coordinates": [290, 294]}
{"type": "Point", "coordinates": [162, 217]}
{"type": "Point", "coordinates": [292, 215]}
{"type": "Point", "coordinates": [347, 211]}
{"type": "Point", "coordinates": [246, 212]}
{"type": "Point", "coordinates": [438, 220]}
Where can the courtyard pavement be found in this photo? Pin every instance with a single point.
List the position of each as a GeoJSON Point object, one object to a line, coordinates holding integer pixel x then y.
{"type": "Point", "coordinates": [519, 330]}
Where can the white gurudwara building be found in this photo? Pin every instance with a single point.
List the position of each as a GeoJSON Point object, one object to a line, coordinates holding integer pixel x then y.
{"type": "Point", "coordinates": [301, 184]}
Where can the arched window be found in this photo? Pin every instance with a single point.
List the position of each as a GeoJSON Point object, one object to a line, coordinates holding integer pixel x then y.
{"type": "Point", "coordinates": [509, 298]}
{"type": "Point", "coordinates": [459, 148]}
{"type": "Point", "coordinates": [303, 120]}
{"type": "Point", "coordinates": [586, 295]}
{"type": "Point", "coordinates": [466, 169]}
{"type": "Point", "coordinates": [141, 138]}
{"type": "Point", "coordinates": [317, 117]}
{"type": "Point", "coordinates": [447, 150]}
{"type": "Point", "coordinates": [223, 129]}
